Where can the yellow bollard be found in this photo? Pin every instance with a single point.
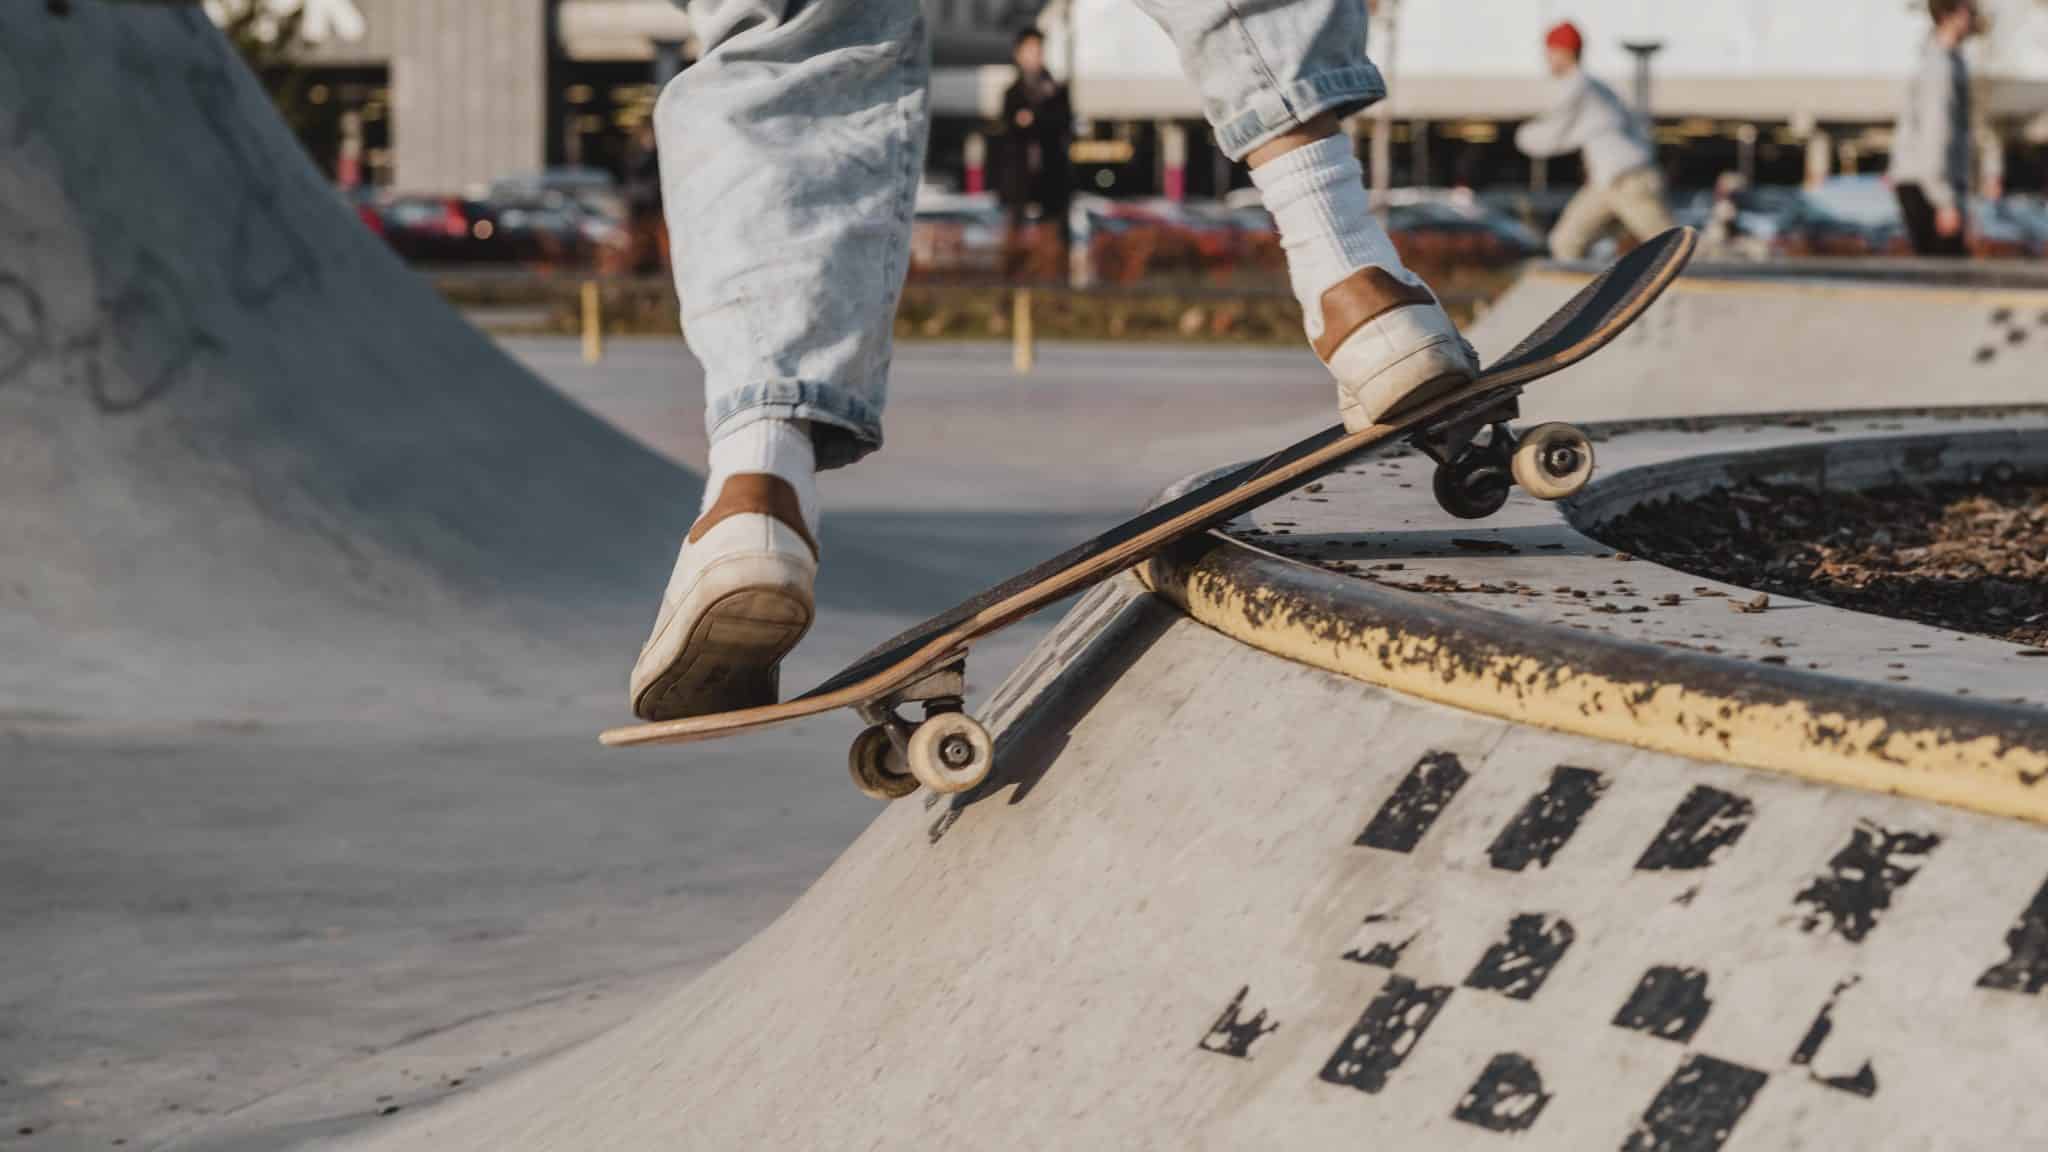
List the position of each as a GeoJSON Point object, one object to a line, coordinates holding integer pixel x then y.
{"type": "Point", "coordinates": [593, 324]}
{"type": "Point", "coordinates": [1023, 354]}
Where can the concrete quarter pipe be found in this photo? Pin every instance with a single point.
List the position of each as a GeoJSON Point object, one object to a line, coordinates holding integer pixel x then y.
{"type": "Point", "coordinates": [1215, 899]}
{"type": "Point", "coordinates": [228, 414]}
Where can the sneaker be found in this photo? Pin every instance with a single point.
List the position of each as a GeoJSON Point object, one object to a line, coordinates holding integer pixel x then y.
{"type": "Point", "coordinates": [740, 598]}
{"type": "Point", "coordinates": [1391, 347]}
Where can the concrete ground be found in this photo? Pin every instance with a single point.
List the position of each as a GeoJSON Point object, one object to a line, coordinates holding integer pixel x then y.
{"type": "Point", "coordinates": [228, 932]}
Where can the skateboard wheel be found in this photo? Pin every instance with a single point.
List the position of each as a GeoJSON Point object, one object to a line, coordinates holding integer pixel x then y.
{"type": "Point", "coordinates": [951, 752]}
{"type": "Point", "coordinates": [1472, 487]}
{"type": "Point", "coordinates": [1553, 461]}
{"type": "Point", "coordinates": [877, 768]}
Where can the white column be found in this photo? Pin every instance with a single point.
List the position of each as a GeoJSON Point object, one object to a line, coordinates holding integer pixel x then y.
{"type": "Point", "coordinates": [1173, 157]}
{"type": "Point", "coordinates": [977, 162]}
{"type": "Point", "coordinates": [1820, 157]}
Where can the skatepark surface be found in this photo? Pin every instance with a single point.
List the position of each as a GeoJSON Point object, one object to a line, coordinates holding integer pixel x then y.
{"type": "Point", "coordinates": [313, 599]}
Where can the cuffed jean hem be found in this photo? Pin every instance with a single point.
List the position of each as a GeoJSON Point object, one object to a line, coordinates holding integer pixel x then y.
{"type": "Point", "coordinates": [1277, 111]}
{"type": "Point", "coordinates": [844, 428]}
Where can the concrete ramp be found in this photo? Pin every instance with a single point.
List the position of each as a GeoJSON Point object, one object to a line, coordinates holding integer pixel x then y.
{"type": "Point", "coordinates": [1741, 339]}
{"type": "Point", "coordinates": [1218, 899]}
{"type": "Point", "coordinates": [236, 434]}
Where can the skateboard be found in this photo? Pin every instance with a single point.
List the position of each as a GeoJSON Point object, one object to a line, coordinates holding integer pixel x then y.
{"type": "Point", "coordinates": [1479, 459]}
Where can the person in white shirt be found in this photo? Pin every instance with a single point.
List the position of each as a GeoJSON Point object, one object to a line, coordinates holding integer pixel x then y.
{"type": "Point", "coordinates": [1587, 117]}
{"type": "Point", "coordinates": [1930, 167]}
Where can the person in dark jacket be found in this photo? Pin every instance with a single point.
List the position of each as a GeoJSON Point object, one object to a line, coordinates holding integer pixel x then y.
{"type": "Point", "coordinates": [1038, 129]}
{"type": "Point", "coordinates": [1930, 167]}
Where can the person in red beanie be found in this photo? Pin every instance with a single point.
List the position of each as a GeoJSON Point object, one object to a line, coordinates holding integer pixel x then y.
{"type": "Point", "coordinates": [1587, 117]}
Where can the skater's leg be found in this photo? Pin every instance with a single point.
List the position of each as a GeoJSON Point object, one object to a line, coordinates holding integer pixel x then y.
{"type": "Point", "coordinates": [1585, 216]}
{"type": "Point", "coordinates": [790, 157]}
{"type": "Point", "coordinates": [1276, 79]}
{"type": "Point", "coordinates": [1638, 201]}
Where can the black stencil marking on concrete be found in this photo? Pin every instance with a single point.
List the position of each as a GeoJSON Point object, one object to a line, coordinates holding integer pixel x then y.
{"type": "Point", "coordinates": [1517, 966]}
{"type": "Point", "coordinates": [1697, 1108]}
{"type": "Point", "coordinates": [1382, 954]}
{"type": "Point", "coordinates": [1858, 884]}
{"type": "Point", "coordinates": [1864, 1081]}
{"type": "Point", "coordinates": [1707, 821]}
{"type": "Point", "coordinates": [1234, 1033]}
{"type": "Point", "coordinates": [1384, 1036]}
{"type": "Point", "coordinates": [1669, 1003]}
{"type": "Point", "coordinates": [1548, 820]}
{"type": "Point", "coordinates": [1507, 1097]}
{"type": "Point", "coordinates": [1417, 801]}
{"type": "Point", "coordinates": [2025, 967]}
{"type": "Point", "coordinates": [1823, 1024]}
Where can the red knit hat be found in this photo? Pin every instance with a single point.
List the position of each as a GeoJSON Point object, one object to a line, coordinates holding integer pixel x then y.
{"type": "Point", "coordinates": [1565, 36]}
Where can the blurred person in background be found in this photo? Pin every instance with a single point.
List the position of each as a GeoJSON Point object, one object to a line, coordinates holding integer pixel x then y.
{"type": "Point", "coordinates": [1038, 132]}
{"type": "Point", "coordinates": [1586, 116]}
{"type": "Point", "coordinates": [791, 152]}
{"type": "Point", "coordinates": [1930, 166]}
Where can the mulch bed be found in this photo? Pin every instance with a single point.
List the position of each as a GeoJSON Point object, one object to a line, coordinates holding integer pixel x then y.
{"type": "Point", "coordinates": [1973, 558]}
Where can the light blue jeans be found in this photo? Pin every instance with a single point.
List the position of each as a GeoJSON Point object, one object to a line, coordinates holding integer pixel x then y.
{"type": "Point", "coordinates": [791, 153]}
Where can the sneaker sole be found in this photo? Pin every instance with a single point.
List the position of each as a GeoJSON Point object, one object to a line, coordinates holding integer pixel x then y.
{"type": "Point", "coordinates": [1357, 418]}
{"type": "Point", "coordinates": [729, 661]}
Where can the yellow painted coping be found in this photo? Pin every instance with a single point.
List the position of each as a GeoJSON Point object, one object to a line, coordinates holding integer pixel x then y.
{"type": "Point", "coordinates": [1983, 757]}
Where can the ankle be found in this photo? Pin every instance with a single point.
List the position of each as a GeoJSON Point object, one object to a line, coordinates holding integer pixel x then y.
{"type": "Point", "coordinates": [1316, 193]}
{"type": "Point", "coordinates": [779, 448]}
{"type": "Point", "coordinates": [1320, 127]}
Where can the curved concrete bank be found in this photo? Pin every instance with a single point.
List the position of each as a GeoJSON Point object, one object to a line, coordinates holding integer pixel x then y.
{"type": "Point", "coordinates": [231, 422]}
{"type": "Point", "coordinates": [1801, 336]}
{"type": "Point", "coordinates": [1527, 618]}
{"type": "Point", "coordinates": [1217, 898]}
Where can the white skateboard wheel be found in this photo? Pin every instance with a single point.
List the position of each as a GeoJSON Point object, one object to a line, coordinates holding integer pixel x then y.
{"type": "Point", "coordinates": [1553, 461]}
{"type": "Point", "coordinates": [877, 768]}
{"type": "Point", "coordinates": [951, 752]}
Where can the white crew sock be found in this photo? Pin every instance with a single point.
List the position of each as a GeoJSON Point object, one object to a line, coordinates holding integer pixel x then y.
{"type": "Point", "coordinates": [779, 447]}
{"type": "Point", "coordinates": [1317, 196]}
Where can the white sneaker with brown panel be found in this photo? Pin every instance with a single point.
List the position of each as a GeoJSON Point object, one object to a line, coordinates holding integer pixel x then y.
{"type": "Point", "coordinates": [740, 598]}
{"type": "Point", "coordinates": [1390, 345]}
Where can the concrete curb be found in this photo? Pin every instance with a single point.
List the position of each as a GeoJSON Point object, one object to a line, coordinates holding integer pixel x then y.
{"type": "Point", "coordinates": [1982, 757]}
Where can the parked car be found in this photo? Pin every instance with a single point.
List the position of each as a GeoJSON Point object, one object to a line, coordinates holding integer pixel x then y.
{"type": "Point", "coordinates": [1761, 214]}
{"type": "Point", "coordinates": [444, 230]}
{"type": "Point", "coordinates": [1538, 211]}
{"type": "Point", "coordinates": [2030, 214]}
{"type": "Point", "coordinates": [593, 190]}
{"type": "Point", "coordinates": [1452, 227]}
{"type": "Point", "coordinates": [542, 232]}
{"type": "Point", "coordinates": [2000, 230]}
{"type": "Point", "coordinates": [1869, 202]}
{"type": "Point", "coordinates": [953, 234]}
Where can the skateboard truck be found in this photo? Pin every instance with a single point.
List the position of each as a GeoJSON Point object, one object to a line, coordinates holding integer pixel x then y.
{"type": "Point", "coordinates": [948, 751]}
{"type": "Point", "coordinates": [1479, 458]}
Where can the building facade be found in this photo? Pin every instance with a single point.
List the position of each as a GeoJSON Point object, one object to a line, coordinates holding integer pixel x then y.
{"type": "Point", "coordinates": [443, 95]}
{"type": "Point", "coordinates": [447, 95]}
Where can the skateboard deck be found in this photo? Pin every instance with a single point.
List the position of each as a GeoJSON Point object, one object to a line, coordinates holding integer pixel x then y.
{"type": "Point", "coordinates": [1465, 430]}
